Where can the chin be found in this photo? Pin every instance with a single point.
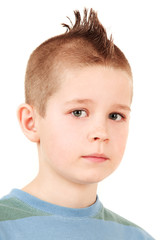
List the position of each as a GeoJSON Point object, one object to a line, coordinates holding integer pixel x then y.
{"type": "Point", "coordinates": [91, 179]}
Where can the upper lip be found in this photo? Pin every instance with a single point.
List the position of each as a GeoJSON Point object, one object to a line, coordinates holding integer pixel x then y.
{"type": "Point", "coordinates": [97, 155]}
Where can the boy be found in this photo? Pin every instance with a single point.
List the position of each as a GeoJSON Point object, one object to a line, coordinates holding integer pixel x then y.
{"type": "Point", "coordinates": [78, 91]}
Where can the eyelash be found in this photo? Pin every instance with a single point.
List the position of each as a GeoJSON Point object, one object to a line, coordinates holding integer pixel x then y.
{"type": "Point", "coordinates": [120, 114]}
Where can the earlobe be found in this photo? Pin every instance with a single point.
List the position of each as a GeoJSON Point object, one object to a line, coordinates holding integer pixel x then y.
{"type": "Point", "coordinates": [27, 120]}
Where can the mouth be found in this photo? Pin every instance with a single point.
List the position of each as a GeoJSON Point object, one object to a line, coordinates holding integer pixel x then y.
{"type": "Point", "coordinates": [96, 157]}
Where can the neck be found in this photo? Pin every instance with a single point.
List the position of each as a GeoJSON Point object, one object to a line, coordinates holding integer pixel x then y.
{"type": "Point", "coordinates": [57, 190]}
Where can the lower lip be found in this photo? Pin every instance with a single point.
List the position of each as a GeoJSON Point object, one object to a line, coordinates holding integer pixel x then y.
{"type": "Point", "coordinates": [96, 159]}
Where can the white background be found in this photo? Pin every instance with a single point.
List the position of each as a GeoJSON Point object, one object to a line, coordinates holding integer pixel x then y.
{"type": "Point", "coordinates": [133, 190]}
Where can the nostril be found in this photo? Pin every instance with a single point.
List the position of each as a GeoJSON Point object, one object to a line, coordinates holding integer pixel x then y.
{"type": "Point", "coordinates": [101, 138]}
{"type": "Point", "coordinates": [95, 138]}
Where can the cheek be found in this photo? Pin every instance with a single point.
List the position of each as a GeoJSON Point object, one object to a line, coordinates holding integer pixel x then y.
{"type": "Point", "coordinates": [119, 140]}
{"type": "Point", "coordinates": [61, 139]}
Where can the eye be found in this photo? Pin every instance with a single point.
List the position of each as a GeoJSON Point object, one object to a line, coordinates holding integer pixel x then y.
{"type": "Point", "coordinates": [78, 113]}
{"type": "Point", "coordinates": [116, 116]}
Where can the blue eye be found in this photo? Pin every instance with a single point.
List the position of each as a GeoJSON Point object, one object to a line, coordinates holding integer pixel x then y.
{"type": "Point", "coordinates": [116, 116]}
{"type": "Point", "coordinates": [78, 113]}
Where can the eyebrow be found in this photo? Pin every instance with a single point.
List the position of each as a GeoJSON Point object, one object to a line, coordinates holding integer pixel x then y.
{"type": "Point", "coordinates": [125, 107]}
{"type": "Point", "coordinates": [80, 101]}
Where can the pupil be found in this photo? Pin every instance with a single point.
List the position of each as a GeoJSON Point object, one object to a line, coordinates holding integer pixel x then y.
{"type": "Point", "coordinates": [114, 116]}
{"type": "Point", "coordinates": [77, 112]}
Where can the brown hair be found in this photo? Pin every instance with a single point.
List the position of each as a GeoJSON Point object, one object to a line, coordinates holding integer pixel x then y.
{"type": "Point", "coordinates": [83, 44]}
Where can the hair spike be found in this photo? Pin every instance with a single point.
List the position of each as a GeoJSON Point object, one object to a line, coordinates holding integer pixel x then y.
{"type": "Point", "coordinates": [85, 16]}
{"type": "Point", "coordinates": [112, 45]}
{"type": "Point", "coordinates": [77, 19]}
{"type": "Point", "coordinates": [67, 26]}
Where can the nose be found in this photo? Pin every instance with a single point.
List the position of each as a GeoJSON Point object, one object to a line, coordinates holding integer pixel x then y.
{"type": "Point", "coordinates": [100, 134]}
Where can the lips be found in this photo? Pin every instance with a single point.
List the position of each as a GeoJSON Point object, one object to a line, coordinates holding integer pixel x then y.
{"type": "Point", "coordinates": [96, 157]}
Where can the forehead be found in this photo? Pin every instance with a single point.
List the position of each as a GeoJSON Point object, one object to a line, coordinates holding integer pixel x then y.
{"type": "Point", "coordinates": [94, 76]}
{"type": "Point", "coordinates": [100, 84]}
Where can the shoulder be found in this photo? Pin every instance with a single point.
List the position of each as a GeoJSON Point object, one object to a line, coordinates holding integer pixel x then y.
{"type": "Point", "coordinates": [109, 215]}
{"type": "Point", "coordinates": [121, 225]}
{"type": "Point", "coordinates": [12, 208]}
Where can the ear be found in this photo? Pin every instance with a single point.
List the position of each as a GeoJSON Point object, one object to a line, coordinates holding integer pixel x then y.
{"type": "Point", "coordinates": [27, 120]}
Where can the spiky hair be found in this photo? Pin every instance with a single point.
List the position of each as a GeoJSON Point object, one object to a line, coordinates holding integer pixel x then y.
{"type": "Point", "coordinates": [91, 28]}
{"type": "Point", "coordinates": [84, 43]}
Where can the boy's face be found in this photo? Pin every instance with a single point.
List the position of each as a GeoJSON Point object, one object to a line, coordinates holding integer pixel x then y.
{"type": "Point", "coordinates": [73, 130]}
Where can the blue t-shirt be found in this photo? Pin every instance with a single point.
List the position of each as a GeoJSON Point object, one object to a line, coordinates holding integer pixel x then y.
{"type": "Point", "coordinates": [25, 217]}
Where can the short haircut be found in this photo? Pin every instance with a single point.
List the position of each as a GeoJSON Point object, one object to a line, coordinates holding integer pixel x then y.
{"type": "Point", "coordinates": [83, 44]}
